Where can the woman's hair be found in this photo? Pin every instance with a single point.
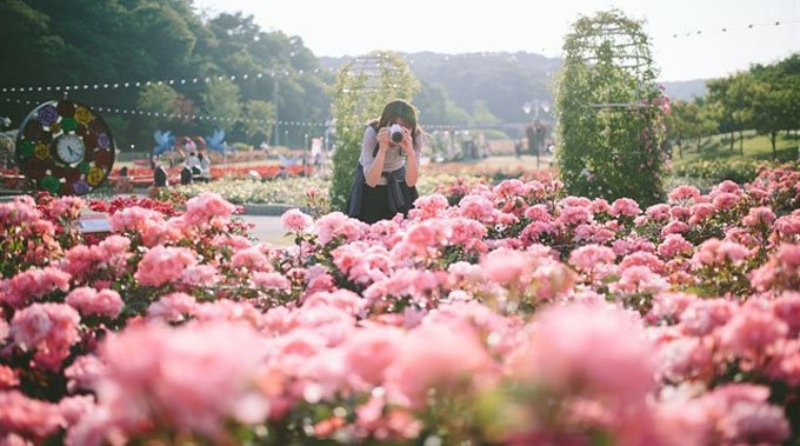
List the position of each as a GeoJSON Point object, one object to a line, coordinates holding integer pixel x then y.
{"type": "Point", "coordinates": [399, 108]}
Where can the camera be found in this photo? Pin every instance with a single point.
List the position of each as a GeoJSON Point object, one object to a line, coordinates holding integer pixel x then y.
{"type": "Point", "coordinates": [396, 132]}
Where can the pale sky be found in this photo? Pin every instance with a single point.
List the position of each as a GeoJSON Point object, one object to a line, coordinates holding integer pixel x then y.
{"type": "Point", "coordinates": [356, 27]}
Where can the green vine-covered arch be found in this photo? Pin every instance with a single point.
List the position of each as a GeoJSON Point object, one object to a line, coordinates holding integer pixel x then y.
{"type": "Point", "coordinates": [363, 86]}
{"type": "Point", "coordinates": [610, 111]}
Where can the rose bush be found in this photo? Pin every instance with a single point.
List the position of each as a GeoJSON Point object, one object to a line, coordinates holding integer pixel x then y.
{"type": "Point", "coordinates": [517, 315]}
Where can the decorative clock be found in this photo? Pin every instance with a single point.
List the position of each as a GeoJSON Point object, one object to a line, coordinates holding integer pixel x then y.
{"type": "Point", "coordinates": [69, 148]}
{"type": "Point", "coordinates": [65, 148]}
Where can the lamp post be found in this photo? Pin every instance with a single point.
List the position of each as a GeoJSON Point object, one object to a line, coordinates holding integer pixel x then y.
{"type": "Point", "coordinates": [537, 129]}
{"type": "Point", "coordinates": [277, 116]}
{"type": "Point", "coordinates": [305, 154]}
{"type": "Point", "coordinates": [529, 107]}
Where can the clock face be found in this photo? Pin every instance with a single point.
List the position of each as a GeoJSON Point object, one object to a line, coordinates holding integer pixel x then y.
{"type": "Point", "coordinates": [70, 148]}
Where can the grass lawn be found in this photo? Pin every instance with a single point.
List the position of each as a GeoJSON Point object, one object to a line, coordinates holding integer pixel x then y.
{"type": "Point", "coordinates": [754, 146]}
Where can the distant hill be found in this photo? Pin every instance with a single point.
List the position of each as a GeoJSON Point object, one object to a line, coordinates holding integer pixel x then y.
{"type": "Point", "coordinates": [502, 81]}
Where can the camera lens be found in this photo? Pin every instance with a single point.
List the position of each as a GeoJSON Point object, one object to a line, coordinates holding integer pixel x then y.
{"type": "Point", "coordinates": [397, 136]}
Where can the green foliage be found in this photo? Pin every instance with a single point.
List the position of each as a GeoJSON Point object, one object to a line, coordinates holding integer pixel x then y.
{"type": "Point", "coordinates": [362, 88]}
{"type": "Point", "coordinates": [611, 112]}
{"type": "Point", "coordinates": [143, 44]}
{"type": "Point", "coordinates": [222, 99]}
{"type": "Point", "coordinates": [738, 170]}
{"type": "Point", "coordinates": [260, 118]}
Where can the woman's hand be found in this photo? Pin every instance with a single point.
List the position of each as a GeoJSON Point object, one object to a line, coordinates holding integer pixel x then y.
{"type": "Point", "coordinates": [384, 139]}
{"type": "Point", "coordinates": [407, 144]}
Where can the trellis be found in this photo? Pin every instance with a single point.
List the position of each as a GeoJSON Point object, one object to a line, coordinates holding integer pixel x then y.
{"type": "Point", "coordinates": [608, 109]}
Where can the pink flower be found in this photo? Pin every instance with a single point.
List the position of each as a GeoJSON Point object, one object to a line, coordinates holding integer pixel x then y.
{"type": "Point", "coordinates": [685, 358]}
{"type": "Point", "coordinates": [716, 252]}
{"type": "Point", "coordinates": [8, 378]}
{"type": "Point", "coordinates": [785, 363]}
{"type": "Point", "coordinates": [573, 216]}
{"type": "Point", "coordinates": [133, 219]}
{"type": "Point", "coordinates": [90, 301]}
{"type": "Point", "coordinates": [294, 220]}
{"type": "Point", "coordinates": [83, 372]}
{"type": "Point", "coordinates": [250, 260]}
{"type": "Point", "coordinates": [27, 416]}
{"type": "Point", "coordinates": [33, 283]}
{"type": "Point", "coordinates": [589, 352]}
{"type": "Point", "coordinates": [658, 212]}
{"type": "Point", "coordinates": [336, 224]}
{"type": "Point", "coordinates": [683, 194]}
{"type": "Point", "coordinates": [781, 271]}
{"type": "Point", "coordinates": [638, 279]}
{"type": "Point", "coordinates": [505, 265]}
{"type": "Point", "coordinates": [725, 201]}
{"type": "Point", "coordinates": [200, 275]}
{"type": "Point", "coordinates": [68, 208]}
{"type": "Point", "coordinates": [703, 316]}
{"type": "Point", "coordinates": [73, 408]}
{"type": "Point", "coordinates": [590, 257]}
{"type": "Point", "coordinates": [430, 233]}
{"type": "Point", "coordinates": [700, 212]}
{"type": "Point", "coordinates": [671, 304]}
{"type": "Point", "coordinates": [205, 207]}
{"type": "Point", "coordinates": [752, 330]}
{"type": "Point", "coordinates": [625, 207]}
{"type": "Point", "coordinates": [538, 212]}
{"type": "Point", "coordinates": [428, 206]}
{"type": "Point", "coordinates": [787, 308]}
{"type": "Point", "coordinates": [368, 352]}
{"type": "Point", "coordinates": [188, 377]}
{"type": "Point", "coordinates": [50, 329]}
{"type": "Point", "coordinates": [759, 216]}
{"type": "Point", "coordinates": [673, 246]}
{"type": "Point", "coordinates": [436, 357]}
{"type": "Point", "coordinates": [173, 307]}
{"type": "Point", "coordinates": [161, 265]}
{"type": "Point", "coordinates": [743, 415]}
{"type": "Point", "coordinates": [477, 208]}
{"type": "Point", "coordinates": [674, 227]}
{"type": "Point", "coordinates": [271, 281]}
{"type": "Point", "coordinates": [642, 258]}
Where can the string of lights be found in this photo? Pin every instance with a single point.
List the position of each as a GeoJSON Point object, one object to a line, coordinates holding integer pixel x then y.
{"type": "Point", "coordinates": [95, 86]}
{"type": "Point", "coordinates": [727, 29]}
{"type": "Point", "coordinates": [192, 117]}
{"type": "Point", "coordinates": [302, 124]}
{"type": "Point", "coordinates": [139, 84]}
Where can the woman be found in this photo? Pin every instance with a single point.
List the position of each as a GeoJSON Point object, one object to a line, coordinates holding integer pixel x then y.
{"type": "Point", "coordinates": [388, 170]}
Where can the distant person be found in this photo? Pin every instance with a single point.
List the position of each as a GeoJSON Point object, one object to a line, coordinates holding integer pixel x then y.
{"type": "Point", "coordinates": [160, 177]}
{"type": "Point", "coordinates": [204, 164]}
{"type": "Point", "coordinates": [193, 163]}
{"type": "Point", "coordinates": [386, 178]}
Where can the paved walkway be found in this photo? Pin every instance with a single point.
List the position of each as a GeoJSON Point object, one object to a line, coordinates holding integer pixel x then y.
{"type": "Point", "coordinates": [268, 229]}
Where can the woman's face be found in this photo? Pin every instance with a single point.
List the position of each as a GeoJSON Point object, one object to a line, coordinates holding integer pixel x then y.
{"type": "Point", "coordinates": [400, 121]}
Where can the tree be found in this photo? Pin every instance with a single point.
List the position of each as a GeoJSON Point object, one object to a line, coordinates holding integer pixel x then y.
{"type": "Point", "coordinates": [221, 102]}
{"type": "Point", "coordinates": [689, 120]}
{"type": "Point", "coordinates": [362, 87]}
{"type": "Point", "coordinates": [734, 98]}
{"type": "Point", "coordinates": [260, 119]}
{"type": "Point", "coordinates": [775, 98]}
{"type": "Point", "coordinates": [160, 101]}
{"type": "Point", "coordinates": [610, 111]}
